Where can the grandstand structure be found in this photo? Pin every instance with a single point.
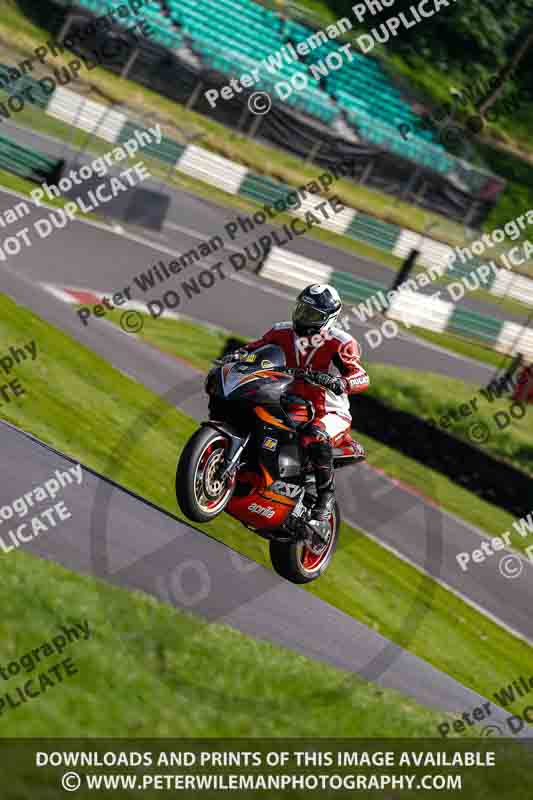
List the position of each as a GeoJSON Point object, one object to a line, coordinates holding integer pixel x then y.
{"type": "Point", "coordinates": [233, 36]}
{"type": "Point", "coordinates": [222, 39]}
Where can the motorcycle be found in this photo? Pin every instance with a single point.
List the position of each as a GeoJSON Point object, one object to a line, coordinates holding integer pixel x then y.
{"type": "Point", "coordinates": [246, 460]}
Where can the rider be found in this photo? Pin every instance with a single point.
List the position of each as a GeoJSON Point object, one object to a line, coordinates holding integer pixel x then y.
{"type": "Point", "coordinates": [311, 341]}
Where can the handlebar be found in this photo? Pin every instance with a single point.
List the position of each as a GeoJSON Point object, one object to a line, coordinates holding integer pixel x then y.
{"type": "Point", "coordinates": [302, 373]}
{"type": "Point", "coordinates": [299, 373]}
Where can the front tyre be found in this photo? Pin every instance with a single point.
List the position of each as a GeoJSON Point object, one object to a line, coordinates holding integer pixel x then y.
{"type": "Point", "coordinates": [296, 562]}
{"type": "Point", "coordinates": [200, 493]}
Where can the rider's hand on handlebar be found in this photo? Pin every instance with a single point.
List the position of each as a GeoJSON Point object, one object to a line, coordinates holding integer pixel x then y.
{"type": "Point", "coordinates": [336, 385]}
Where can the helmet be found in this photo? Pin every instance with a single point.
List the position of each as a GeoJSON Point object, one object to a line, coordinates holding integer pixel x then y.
{"type": "Point", "coordinates": [317, 308]}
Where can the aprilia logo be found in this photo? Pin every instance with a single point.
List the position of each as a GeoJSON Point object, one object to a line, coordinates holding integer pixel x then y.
{"type": "Point", "coordinates": [261, 510]}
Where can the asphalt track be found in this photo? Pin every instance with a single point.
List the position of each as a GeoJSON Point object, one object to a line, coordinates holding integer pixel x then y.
{"type": "Point", "coordinates": [180, 565]}
{"type": "Point", "coordinates": [188, 214]}
{"type": "Point", "coordinates": [89, 256]}
{"type": "Point", "coordinates": [92, 257]}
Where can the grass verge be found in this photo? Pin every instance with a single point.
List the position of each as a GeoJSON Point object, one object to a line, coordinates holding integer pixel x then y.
{"type": "Point", "coordinates": [203, 343]}
{"type": "Point", "coordinates": [15, 26]}
{"type": "Point", "coordinates": [169, 674]}
{"type": "Point", "coordinates": [71, 393]}
{"type": "Point", "coordinates": [463, 347]}
{"type": "Point", "coordinates": [448, 341]}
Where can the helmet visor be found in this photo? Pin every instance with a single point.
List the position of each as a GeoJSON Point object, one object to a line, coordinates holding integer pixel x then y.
{"type": "Point", "coordinates": [304, 314]}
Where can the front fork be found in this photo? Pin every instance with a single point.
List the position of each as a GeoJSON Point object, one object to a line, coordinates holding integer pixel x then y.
{"type": "Point", "coordinates": [234, 451]}
{"type": "Point", "coordinates": [232, 462]}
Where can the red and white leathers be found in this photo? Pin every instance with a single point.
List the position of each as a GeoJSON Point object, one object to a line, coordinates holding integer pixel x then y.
{"type": "Point", "coordinates": [332, 351]}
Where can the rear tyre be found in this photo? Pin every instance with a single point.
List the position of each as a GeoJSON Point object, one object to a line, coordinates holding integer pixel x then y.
{"type": "Point", "coordinates": [201, 495]}
{"type": "Point", "coordinates": [297, 563]}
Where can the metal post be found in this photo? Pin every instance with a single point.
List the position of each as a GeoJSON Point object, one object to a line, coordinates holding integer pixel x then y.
{"type": "Point", "coordinates": [470, 213]}
{"type": "Point", "coordinates": [411, 183]}
{"type": "Point", "coordinates": [194, 96]}
{"type": "Point", "coordinates": [129, 63]}
{"type": "Point", "coordinates": [64, 29]}
{"type": "Point", "coordinates": [93, 133]}
{"type": "Point", "coordinates": [314, 152]}
{"type": "Point", "coordinates": [367, 171]}
{"type": "Point", "coordinates": [243, 117]}
{"type": "Point", "coordinates": [255, 126]}
{"type": "Point", "coordinates": [421, 193]}
{"type": "Point", "coordinates": [75, 129]}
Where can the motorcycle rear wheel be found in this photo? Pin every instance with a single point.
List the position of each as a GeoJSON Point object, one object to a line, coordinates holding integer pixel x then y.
{"type": "Point", "coordinates": [297, 563]}
{"type": "Point", "coordinates": [200, 494]}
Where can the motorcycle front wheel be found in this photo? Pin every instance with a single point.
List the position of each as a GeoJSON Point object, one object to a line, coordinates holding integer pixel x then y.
{"type": "Point", "coordinates": [200, 493]}
{"type": "Point", "coordinates": [296, 562]}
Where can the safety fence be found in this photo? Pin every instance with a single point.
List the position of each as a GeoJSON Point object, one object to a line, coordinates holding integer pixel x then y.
{"type": "Point", "coordinates": [410, 307]}
{"type": "Point", "coordinates": [112, 125]}
{"type": "Point", "coordinates": [28, 163]}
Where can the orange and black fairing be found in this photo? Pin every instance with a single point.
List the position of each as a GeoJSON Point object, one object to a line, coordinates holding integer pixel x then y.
{"type": "Point", "coordinates": [250, 396]}
{"type": "Point", "coordinates": [259, 507]}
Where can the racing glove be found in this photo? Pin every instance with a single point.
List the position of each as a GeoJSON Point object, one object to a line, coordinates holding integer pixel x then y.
{"type": "Point", "coordinates": [335, 385]}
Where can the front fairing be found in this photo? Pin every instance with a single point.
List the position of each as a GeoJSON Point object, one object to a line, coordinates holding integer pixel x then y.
{"type": "Point", "coordinates": [255, 377]}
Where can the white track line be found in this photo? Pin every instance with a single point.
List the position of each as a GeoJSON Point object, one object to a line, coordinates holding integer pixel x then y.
{"type": "Point", "coordinates": [442, 583]}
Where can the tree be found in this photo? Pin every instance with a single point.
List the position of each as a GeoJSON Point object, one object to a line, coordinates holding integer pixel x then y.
{"type": "Point", "coordinates": [508, 69]}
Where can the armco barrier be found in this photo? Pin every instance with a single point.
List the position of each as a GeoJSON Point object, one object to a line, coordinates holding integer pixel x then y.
{"type": "Point", "coordinates": [481, 473]}
{"type": "Point", "coordinates": [114, 126]}
{"type": "Point", "coordinates": [296, 271]}
{"type": "Point", "coordinates": [212, 169]}
{"type": "Point", "coordinates": [292, 269]}
{"type": "Point", "coordinates": [168, 151]}
{"type": "Point", "coordinates": [261, 189]}
{"type": "Point", "coordinates": [411, 308]}
{"type": "Point", "coordinates": [28, 163]}
{"type": "Point", "coordinates": [86, 115]}
{"type": "Point", "coordinates": [380, 234]}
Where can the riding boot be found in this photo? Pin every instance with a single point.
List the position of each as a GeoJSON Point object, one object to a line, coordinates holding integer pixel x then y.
{"type": "Point", "coordinates": [325, 488]}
